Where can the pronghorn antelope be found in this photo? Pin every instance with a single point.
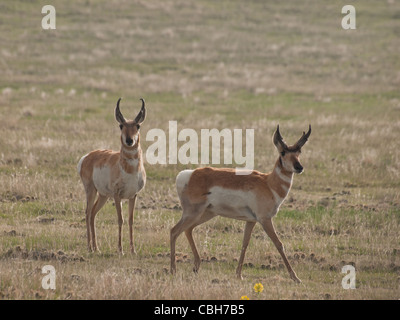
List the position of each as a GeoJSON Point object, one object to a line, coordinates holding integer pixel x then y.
{"type": "Point", "coordinates": [119, 175]}
{"type": "Point", "coordinates": [207, 192]}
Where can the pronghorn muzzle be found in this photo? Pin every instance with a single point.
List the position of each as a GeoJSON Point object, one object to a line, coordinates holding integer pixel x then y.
{"type": "Point", "coordinates": [129, 141]}
{"type": "Point", "coordinates": [298, 167]}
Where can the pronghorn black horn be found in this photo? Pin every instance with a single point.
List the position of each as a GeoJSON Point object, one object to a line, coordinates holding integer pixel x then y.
{"type": "Point", "coordinates": [142, 113]}
{"type": "Point", "coordinates": [303, 138]}
{"type": "Point", "coordinates": [278, 140]}
{"type": "Point", "coordinates": [118, 115]}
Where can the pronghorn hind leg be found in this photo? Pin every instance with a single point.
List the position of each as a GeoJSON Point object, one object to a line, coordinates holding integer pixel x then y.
{"type": "Point", "coordinates": [189, 236]}
{"type": "Point", "coordinates": [174, 233]}
{"type": "Point", "coordinates": [270, 230]}
{"type": "Point", "coordinates": [188, 232]}
{"type": "Point", "coordinates": [101, 200]}
{"type": "Point", "coordinates": [190, 217]}
{"type": "Point", "coordinates": [248, 229]}
{"type": "Point", "coordinates": [91, 193]}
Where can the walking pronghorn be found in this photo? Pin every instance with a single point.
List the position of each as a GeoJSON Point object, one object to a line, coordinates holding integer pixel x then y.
{"type": "Point", "coordinates": [207, 192]}
{"type": "Point", "coordinates": [119, 175]}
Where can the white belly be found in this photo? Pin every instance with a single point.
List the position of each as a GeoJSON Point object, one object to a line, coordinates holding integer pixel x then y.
{"type": "Point", "coordinates": [102, 181]}
{"type": "Point", "coordinates": [236, 204]}
{"type": "Point", "coordinates": [131, 184]}
{"type": "Point", "coordinates": [125, 186]}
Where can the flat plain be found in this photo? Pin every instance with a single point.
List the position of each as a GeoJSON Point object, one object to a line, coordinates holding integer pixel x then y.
{"type": "Point", "coordinates": [204, 64]}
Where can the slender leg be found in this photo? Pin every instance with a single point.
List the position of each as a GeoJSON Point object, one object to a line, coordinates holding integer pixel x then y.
{"type": "Point", "coordinates": [175, 232]}
{"type": "Point", "coordinates": [189, 236]}
{"type": "Point", "coordinates": [270, 230]}
{"type": "Point", "coordinates": [132, 203]}
{"type": "Point", "coordinates": [190, 217]}
{"type": "Point", "coordinates": [90, 198]}
{"type": "Point", "coordinates": [120, 222]}
{"type": "Point", "coordinates": [101, 200]}
{"type": "Point", "coordinates": [246, 239]}
{"type": "Point", "coordinates": [188, 232]}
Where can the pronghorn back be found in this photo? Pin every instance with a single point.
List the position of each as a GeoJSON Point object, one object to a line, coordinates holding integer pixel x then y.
{"type": "Point", "coordinates": [96, 159]}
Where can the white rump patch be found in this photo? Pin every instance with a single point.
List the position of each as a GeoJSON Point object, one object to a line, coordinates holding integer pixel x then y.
{"type": "Point", "coordinates": [182, 179]}
{"type": "Point", "coordinates": [79, 167]}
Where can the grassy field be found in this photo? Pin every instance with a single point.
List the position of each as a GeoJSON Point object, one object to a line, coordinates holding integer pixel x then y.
{"type": "Point", "coordinates": [204, 64]}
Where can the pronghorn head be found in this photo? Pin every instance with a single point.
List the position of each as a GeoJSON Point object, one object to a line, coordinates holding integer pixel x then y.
{"type": "Point", "coordinates": [130, 128]}
{"type": "Point", "coordinates": [289, 155]}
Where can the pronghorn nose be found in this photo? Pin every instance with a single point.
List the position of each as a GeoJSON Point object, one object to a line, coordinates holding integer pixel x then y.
{"type": "Point", "coordinates": [129, 141]}
{"type": "Point", "coordinates": [298, 167]}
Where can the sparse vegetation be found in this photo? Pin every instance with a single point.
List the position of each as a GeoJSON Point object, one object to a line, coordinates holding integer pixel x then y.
{"type": "Point", "coordinates": [205, 64]}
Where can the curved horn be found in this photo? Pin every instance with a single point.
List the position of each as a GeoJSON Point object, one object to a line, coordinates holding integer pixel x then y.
{"type": "Point", "coordinates": [303, 138]}
{"type": "Point", "coordinates": [142, 113]}
{"type": "Point", "coordinates": [278, 140]}
{"type": "Point", "coordinates": [118, 115]}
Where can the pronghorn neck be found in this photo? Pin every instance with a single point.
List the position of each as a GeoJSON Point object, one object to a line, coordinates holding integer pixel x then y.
{"type": "Point", "coordinates": [281, 182]}
{"type": "Point", "coordinates": [130, 158]}
{"type": "Point", "coordinates": [281, 173]}
{"type": "Point", "coordinates": [130, 153]}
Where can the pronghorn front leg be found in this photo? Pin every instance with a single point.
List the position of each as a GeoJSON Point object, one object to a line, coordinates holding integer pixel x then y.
{"type": "Point", "coordinates": [132, 203]}
{"type": "Point", "coordinates": [117, 201]}
{"type": "Point", "coordinates": [246, 239]}
{"type": "Point", "coordinates": [270, 230]}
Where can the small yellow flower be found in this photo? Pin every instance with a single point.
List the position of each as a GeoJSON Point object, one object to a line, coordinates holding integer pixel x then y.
{"type": "Point", "coordinates": [258, 288]}
{"type": "Point", "coordinates": [244, 298]}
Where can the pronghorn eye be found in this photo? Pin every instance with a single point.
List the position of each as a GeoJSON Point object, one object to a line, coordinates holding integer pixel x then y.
{"type": "Point", "coordinates": [121, 126]}
{"type": "Point", "coordinates": [138, 126]}
{"type": "Point", "coordinates": [283, 153]}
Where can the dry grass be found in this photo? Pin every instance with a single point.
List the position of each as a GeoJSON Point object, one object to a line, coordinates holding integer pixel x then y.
{"type": "Point", "coordinates": [206, 64]}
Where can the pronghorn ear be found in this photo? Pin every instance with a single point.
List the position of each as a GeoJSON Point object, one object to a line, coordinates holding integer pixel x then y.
{"type": "Point", "coordinates": [142, 113]}
{"type": "Point", "coordinates": [278, 141]}
{"type": "Point", "coordinates": [118, 115]}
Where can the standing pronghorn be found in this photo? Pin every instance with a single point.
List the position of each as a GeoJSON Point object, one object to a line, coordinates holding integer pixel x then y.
{"type": "Point", "coordinates": [119, 175]}
{"type": "Point", "coordinates": [207, 192]}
